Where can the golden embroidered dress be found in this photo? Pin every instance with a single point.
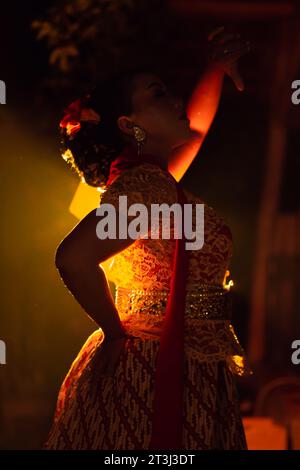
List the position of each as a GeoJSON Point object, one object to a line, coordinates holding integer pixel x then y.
{"type": "Point", "coordinates": [116, 413]}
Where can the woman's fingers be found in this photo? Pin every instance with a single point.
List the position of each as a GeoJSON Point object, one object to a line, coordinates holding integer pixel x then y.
{"type": "Point", "coordinates": [234, 73]}
{"type": "Point", "coordinates": [235, 55]}
{"type": "Point", "coordinates": [225, 38]}
{"type": "Point", "coordinates": [106, 359]}
{"type": "Point", "coordinates": [224, 51]}
{"type": "Point", "coordinates": [215, 32]}
{"type": "Point", "coordinates": [112, 356]}
{"type": "Point", "coordinates": [232, 56]}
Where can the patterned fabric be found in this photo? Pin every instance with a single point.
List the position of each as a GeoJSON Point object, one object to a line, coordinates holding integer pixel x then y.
{"type": "Point", "coordinates": [99, 412]}
{"type": "Point", "coordinates": [146, 263]}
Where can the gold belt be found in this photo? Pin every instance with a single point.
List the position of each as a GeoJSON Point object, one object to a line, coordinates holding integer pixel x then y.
{"type": "Point", "coordinates": [206, 301]}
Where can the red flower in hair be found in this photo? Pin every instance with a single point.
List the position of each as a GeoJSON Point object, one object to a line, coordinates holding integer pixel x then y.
{"type": "Point", "coordinates": [75, 113]}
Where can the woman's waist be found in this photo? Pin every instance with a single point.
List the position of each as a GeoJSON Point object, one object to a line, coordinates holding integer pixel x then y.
{"type": "Point", "coordinates": [203, 302]}
{"type": "Point", "coordinates": [209, 334]}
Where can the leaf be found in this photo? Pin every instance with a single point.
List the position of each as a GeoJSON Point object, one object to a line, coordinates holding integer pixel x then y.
{"type": "Point", "coordinates": [61, 56]}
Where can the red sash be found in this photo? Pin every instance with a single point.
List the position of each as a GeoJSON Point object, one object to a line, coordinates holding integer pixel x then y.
{"type": "Point", "coordinates": [168, 407]}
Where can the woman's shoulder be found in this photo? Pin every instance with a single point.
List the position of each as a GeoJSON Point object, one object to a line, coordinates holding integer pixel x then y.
{"type": "Point", "coordinates": [142, 183]}
{"type": "Point", "coordinates": [141, 175]}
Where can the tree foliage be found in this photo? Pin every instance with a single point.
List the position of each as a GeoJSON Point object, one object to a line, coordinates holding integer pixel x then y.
{"type": "Point", "coordinates": [92, 38]}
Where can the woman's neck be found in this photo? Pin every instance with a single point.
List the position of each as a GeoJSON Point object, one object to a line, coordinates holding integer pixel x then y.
{"type": "Point", "coordinates": [159, 153]}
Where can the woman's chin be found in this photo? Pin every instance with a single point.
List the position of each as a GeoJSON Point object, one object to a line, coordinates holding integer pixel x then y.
{"type": "Point", "coordinates": [188, 132]}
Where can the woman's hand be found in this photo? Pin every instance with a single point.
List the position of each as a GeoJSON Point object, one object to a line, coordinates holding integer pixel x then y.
{"type": "Point", "coordinates": [224, 51]}
{"type": "Point", "coordinates": [107, 356]}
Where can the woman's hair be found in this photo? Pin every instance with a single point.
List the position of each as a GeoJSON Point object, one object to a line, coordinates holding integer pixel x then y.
{"type": "Point", "coordinates": [91, 149]}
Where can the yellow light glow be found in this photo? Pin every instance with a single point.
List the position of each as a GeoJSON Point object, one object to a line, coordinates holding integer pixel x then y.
{"type": "Point", "coordinates": [67, 155]}
{"type": "Point", "coordinates": [239, 361]}
{"type": "Point", "coordinates": [230, 283]}
{"type": "Point", "coordinates": [85, 199]}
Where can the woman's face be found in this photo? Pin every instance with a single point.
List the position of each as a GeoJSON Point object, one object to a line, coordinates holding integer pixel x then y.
{"type": "Point", "coordinates": [158, 112]}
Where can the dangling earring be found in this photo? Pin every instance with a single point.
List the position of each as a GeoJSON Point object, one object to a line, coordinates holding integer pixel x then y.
{"type": "Point", "coordinates": [140, 137]}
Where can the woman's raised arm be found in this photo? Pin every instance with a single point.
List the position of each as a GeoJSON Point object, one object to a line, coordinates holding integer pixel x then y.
{"type": "Point", "coordinates": [225, 50]}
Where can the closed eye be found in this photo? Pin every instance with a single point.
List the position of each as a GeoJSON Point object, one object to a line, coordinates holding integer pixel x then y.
{"type": "Point", "coordinates": [160, 93]}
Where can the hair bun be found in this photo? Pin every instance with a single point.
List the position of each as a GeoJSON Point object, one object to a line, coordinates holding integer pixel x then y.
{"type": "Point", "coordinates": [91, 138]}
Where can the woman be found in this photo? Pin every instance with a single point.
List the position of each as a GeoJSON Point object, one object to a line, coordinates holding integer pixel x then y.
{"type": "Point", "coordinates": [133, 138]}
